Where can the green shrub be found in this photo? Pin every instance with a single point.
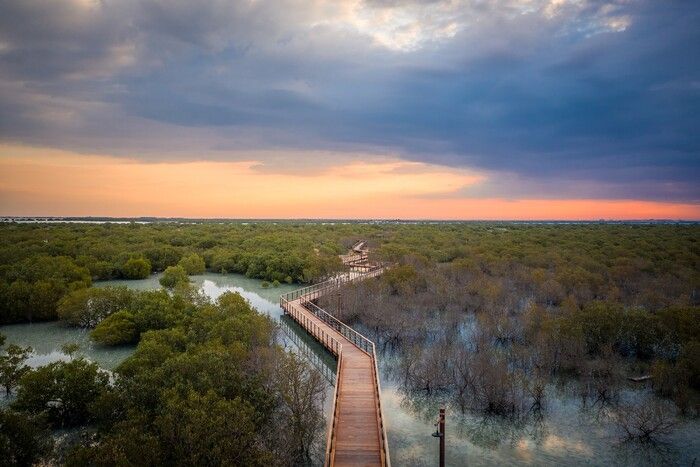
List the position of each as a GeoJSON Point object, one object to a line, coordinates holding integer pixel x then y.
{"type": "Point", "coordinates": [193, 264]}
{"type": "Point", "coordinates": [136, 268]}
{"type": "Point", "coordinates": [62, 390]}
{"type": "Point", "coordinates": [117, 329]}
{"type": "Point", "coordinates": [87, 307]}
{"type": "Point", "coordinates": [32, 288]}
{"type": "Point", "coordinates": [172, 276]}
{"type": "Point", "coordinates": [24, 439]}
{"type": "Point", "coordinates": [400, 278]}
{"type": "Point", "coordinates": [207, 391]}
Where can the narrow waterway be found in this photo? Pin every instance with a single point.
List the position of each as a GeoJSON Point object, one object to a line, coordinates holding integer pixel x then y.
{"type": "Point", "coordinates": [46, 339]}
{"type": "Point", "coordinates": [565, 434]}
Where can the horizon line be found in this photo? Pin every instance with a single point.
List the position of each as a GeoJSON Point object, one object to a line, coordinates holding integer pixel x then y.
{"type": "Point", "coordinates": [9, 218]}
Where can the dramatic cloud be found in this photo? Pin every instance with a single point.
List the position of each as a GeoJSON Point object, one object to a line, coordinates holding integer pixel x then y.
{"type": "Point", "coordinates": [576, 99]}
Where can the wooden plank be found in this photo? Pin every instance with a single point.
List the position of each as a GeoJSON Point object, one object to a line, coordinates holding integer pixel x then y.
{"type": "Point", "coordinates": [357, 437]}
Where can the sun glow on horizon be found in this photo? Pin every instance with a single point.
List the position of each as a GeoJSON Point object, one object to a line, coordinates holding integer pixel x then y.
{"type": "Point", "coordinates": [60, 183]}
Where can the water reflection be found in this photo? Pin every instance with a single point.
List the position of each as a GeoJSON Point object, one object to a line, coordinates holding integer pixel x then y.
{"type": "Point", "coordinates": [46, 339]}
{"type": "Point", "coordinates": [563, 433]}
{"type": "Point", "coordinates": [308, 347]}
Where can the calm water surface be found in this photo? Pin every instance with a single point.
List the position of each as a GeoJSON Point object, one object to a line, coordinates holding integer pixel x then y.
{"type": "Point", "coordinates": [47, 338]}
{"type": "Point", "coordinates": [565, 435]}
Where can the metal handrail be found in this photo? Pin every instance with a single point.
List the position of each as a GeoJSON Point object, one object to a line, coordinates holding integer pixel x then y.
{"type": "Point", "coordinates": [316, 290]}
{"type": "Point", "coordinates": [346, 331]}
{"type": "Point", "coordinates": [305, 295]}
{"type": "Point", "coordinates": [322, 336]}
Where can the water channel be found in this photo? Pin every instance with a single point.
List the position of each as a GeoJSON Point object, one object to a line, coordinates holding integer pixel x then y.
{"type": "Point", "coordinates": [566, 434]}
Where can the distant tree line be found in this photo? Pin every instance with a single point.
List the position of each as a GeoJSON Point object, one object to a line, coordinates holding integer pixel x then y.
{"type": "Point", "coordinates": [40, 264]}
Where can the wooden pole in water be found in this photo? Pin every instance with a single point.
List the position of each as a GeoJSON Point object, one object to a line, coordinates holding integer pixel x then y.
{"type": "Point", "coordinates": [440, 433]}
{"type": "Point", "coordinates": [442, 437]}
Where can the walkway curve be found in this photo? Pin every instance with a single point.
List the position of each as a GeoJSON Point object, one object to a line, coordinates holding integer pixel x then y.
{"type": "Point", "coordinates": [356, 430]}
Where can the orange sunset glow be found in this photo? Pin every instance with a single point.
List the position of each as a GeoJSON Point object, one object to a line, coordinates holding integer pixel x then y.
{"type": "Point", "coordinates": [398, 109]}
{"type": "Point", "coordinates": [59, 183]}
{"type": "Point", "coordinates": [349, 232]}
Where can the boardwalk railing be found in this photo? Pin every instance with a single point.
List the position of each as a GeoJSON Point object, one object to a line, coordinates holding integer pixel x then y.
{"type": "Point", "coordinates": [328, 341]}
{"type": "Point", "coordinates": [366, 346]}
{"type": "Point", "coordinates": [383, 440]}
{"type": "Point", "coordinates": [305, 296]}
{"type": "Point", "coordinates": [359, 246]}
{"type": "Point", "coordinates": [346, 331]}
{"type": "Point", "coordinates": [312, 292]}
{"type": "Point", "coordinates": [354, 258]}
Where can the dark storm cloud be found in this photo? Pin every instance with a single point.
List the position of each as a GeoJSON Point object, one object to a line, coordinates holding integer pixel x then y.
{"type": "Point", "coordinates": [573, 99]}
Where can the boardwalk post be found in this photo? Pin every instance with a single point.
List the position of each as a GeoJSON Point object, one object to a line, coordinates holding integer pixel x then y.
{"type": "Point", "coordinates": [440, 433]}
{"type": "Point", "coordinates": [340, 304]}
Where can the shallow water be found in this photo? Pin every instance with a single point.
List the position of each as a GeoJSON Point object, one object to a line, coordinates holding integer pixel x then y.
{"type": "Point", "coordinates": [213, 285]}
{"type": "Point", "coordinates": [265, 300]}
{"type": "Point", "coordinates": [566, 434]}
{"type": "Point", "coordinates": [46, 340]}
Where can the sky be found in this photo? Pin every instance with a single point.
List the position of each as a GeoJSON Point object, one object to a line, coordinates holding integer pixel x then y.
{"type": "Point", "coordinates": [413, 109]}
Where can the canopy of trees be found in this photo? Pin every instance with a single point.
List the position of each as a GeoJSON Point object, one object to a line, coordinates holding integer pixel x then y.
{"type": "Point", "coordinates": [173, 276]}
{"type": "Point", "coordinates": [62, 391]}
{"type": "Point", "coordinates": [193, 264]}
{"type": "Point", "coordinates": [40, 264]}
{"type": "Point", "coordinates": [207, 385]}
{"type": "Point", "coordinates": [506, 308]}
{"type": "Point", "coordinates": [24, 439]}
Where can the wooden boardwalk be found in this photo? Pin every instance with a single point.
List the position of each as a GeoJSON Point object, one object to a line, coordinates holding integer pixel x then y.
{"type": "Point", "coordinates": [356, 434]}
